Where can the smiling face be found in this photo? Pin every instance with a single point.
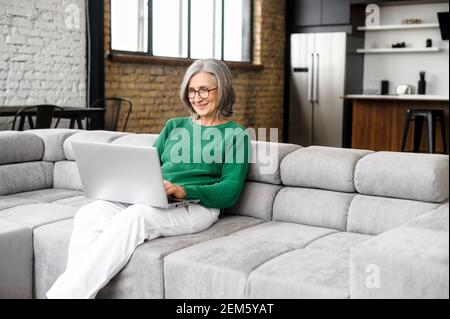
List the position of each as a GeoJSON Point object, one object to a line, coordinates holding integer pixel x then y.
{"type": "Point", "coordinates": [204, 107]}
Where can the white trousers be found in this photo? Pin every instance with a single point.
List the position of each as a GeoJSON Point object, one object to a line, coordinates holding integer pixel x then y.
{"type": "Point", "coordinates": [106, 234]}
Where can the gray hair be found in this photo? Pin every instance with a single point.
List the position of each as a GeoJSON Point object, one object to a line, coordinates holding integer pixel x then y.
{"type": "Point", "coordinates": [223, 77]}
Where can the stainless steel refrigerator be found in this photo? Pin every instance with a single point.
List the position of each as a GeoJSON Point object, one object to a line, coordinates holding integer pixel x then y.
{"type": "Point", "coordinates": [316, 88]}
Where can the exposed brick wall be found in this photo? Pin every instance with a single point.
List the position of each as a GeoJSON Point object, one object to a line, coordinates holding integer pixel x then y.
{"type": "Point", "coordinates": [153, 89]}
{"type": "Point", "coordinates": [43, 52]}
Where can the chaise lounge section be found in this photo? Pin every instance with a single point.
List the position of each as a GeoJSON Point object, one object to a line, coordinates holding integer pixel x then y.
{"type": "Point", "coordinates": [313, 222]}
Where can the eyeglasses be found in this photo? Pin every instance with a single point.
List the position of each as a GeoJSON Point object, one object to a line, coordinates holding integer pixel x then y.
{"type": "Point", "coordinates": [203, 92]}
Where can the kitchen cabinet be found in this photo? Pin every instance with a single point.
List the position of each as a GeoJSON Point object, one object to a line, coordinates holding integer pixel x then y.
{"type": "Point", "coordinates": [321, 12]}
{"type": "Point", "coordinates": [335, 12]}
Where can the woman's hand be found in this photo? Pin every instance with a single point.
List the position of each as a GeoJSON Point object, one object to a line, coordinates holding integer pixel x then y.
{"type": "Point", "coordinates": [175, 190]}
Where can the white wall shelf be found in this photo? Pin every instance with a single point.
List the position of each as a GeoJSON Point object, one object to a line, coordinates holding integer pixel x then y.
{"type": "Point", "coordinates": [398, 50]}
{"type": "Point", "coordinates": [400, 27]}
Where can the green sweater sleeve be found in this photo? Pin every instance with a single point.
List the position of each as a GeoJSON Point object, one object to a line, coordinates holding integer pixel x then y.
{"type": "Point", "coordinates": [224, 193]}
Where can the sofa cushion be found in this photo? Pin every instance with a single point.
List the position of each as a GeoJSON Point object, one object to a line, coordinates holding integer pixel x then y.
{"type": "Point", "coordinates": [300, 274]}
{"type": "Point", "coordinates": [48, 195]}
{"type": "Point", "coordinates": [136, 139]}
{"type": "Point", "coordinates": [142, 277]}
{"type": "Point", "coordinates": [312, 207]}
{"type": "Point", "coordinates": [66, 175]}
{"type": "Point", "coordinates": [437, 219]}
{"type": "Point", "coordinates": [373, 215]}
{"type": "Point", "coordinates": [22, 177]}
{"type": "Point", "coordinates": [53, 142]}
{"type": "Point", "coordinates": [89, 136]}
{"type": "Point", "coordinates": [75, 201]}
{"type": "Point", "coordinates": [35, 215]}
{"type": "Point", "coordinates": [256, 200]}
{"type": "Point", "coordinates": [219, 268]}
{"type": "Point", "coordinates": [11, 201]}
{"type": "Point", "coordinates": [413, 176]}
{"type": "Point", "coordinates": [16, 261]}
{"type": "Point", "coordinates": [404, 262]}
{"type": "Point", "coordinates": [321, 167]}
{"type": "Point", "coordinates": [320, 270]}
{"type": "Point", "coordinates": [18, 147]}
{"type": "Point", "coordinates": [339, 241]}
{"type": "Point", "coordinates": [265, 161]}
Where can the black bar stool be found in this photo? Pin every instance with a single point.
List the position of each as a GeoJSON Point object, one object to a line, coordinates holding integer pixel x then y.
{"type": "Point", "coordinates": [419, 116]}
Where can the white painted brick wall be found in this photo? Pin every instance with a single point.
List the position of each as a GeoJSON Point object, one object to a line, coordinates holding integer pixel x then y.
{"type": "Point", "coordinates": [42, 52]}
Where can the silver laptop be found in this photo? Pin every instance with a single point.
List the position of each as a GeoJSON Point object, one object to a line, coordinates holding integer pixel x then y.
{"type": "Point", "coordinates": [123, 173]}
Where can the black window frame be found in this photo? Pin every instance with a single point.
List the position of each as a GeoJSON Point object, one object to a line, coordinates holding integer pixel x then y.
{"type": "Point", "coordinates": [149, 53]}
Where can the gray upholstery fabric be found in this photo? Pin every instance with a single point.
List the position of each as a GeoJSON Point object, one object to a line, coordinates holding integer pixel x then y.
{"type": "Point", "coordinates": [136, 139]}
{"type": "Point", "coordinates": [265, 162]}
{"type": "Point", "coordinates": [22, 177]}
{"type": "Point", "coordinates": [436, 219]}
{"type": "Point", "coordinates": [339, 241]}
{"type": "Point", "coordinates": [312, 207]}
{"type": "Point", "coordinates": [76, 201]}
{"type": "Point", "coordinates": [303, 273]}
{"type": "Point", "coordinates": [142, 277]}
{"type": "Point", "coordinates": [35, 215]}
{"type": "Point", "coordinates": [18, 147]}
{"type": "Point", "coordinates": [373, 215]}
{"type": "Point", "coordinates": [66, 175]}
{"type": "Point", "coordinates": [48, 195]}
{"type": "Point", "coordinates": [256, 200]}
{"type": "Point", "coordinates": [405, 262]}
{"type": "Point", "coordinates": [11, 201]}
{"type": "Point", "coordinates": [219, 268]}
{"type": "Point", "coordinates": [51, 243]}
{"type": "Point", "coordinates": [414, 176]}
{"type": "Point", "coordinates": [321, 167]}
{"type": "Point", "coordinates": [53, 142]}
{"type": "Point", "coordinates": [16, 261]}
{"type": "Point", "coordinates": [89, 136]}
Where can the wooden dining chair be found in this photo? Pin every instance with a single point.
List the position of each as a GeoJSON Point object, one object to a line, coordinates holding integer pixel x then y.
{"type": "Point", "coordinates": [44, 116]}
{"type": "Point", "coordinates": [114, 108]}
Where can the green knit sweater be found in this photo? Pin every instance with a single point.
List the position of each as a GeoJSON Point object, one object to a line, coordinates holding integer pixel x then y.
{"type": "Point", "coordinates": [210, 162]}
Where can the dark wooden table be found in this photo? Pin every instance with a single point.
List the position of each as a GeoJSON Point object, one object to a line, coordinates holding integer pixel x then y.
{"type": "Point", "coordinates": [75, 114]}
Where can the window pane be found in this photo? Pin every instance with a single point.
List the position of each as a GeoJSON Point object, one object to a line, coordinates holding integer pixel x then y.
{"type": "Point", "coordinates": [218, 30]}
{"type": "Point", "coordinates": [170, 28]}
{"type": "Point", "coordinates": [129, 25]}
{"type": "Point", "coordinates": [202, 28]}
{"type": "Point", "coordinates": [237, 30]}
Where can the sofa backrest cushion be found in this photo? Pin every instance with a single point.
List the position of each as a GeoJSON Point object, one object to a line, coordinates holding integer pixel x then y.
{"type": "Point", "coordinates": [23, 177]}
{"type": "Point", "coordinates": [313, 207]}
{"type": "Point", "coordinates": [19, 147]}
{"type": "Point", "coordinates": [321, 167]}
{"type": "Point", "coordinates": [373, 215]}
{"type": "Point", "coordinates": [89, 136]}
{"type": "Point", "coordinates": [67, 176]}
{"type": "Point", "coordinates": [256, 200]}
{"type": "Point", "coordinates": [422, 177]}
{"type": "Point", "coordinates": [265, 161]}
{"type": "Point", "coordinates": [53, 142]}
{"type": "Point", "coordinates": [136, 139]}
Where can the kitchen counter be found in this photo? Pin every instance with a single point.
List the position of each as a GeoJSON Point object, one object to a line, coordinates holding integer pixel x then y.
{"type": "Point", "coordinates": [378, 121]}
{"type": "Point", "coordinates": [415, 97]}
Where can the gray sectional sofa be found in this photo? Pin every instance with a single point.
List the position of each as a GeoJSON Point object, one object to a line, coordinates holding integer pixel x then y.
{"type": "Point", "coordinates": [313, 222]}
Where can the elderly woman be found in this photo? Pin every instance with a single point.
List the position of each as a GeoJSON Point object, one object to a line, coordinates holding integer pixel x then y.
{"type": "Point", "coordinates": [203, 156]}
